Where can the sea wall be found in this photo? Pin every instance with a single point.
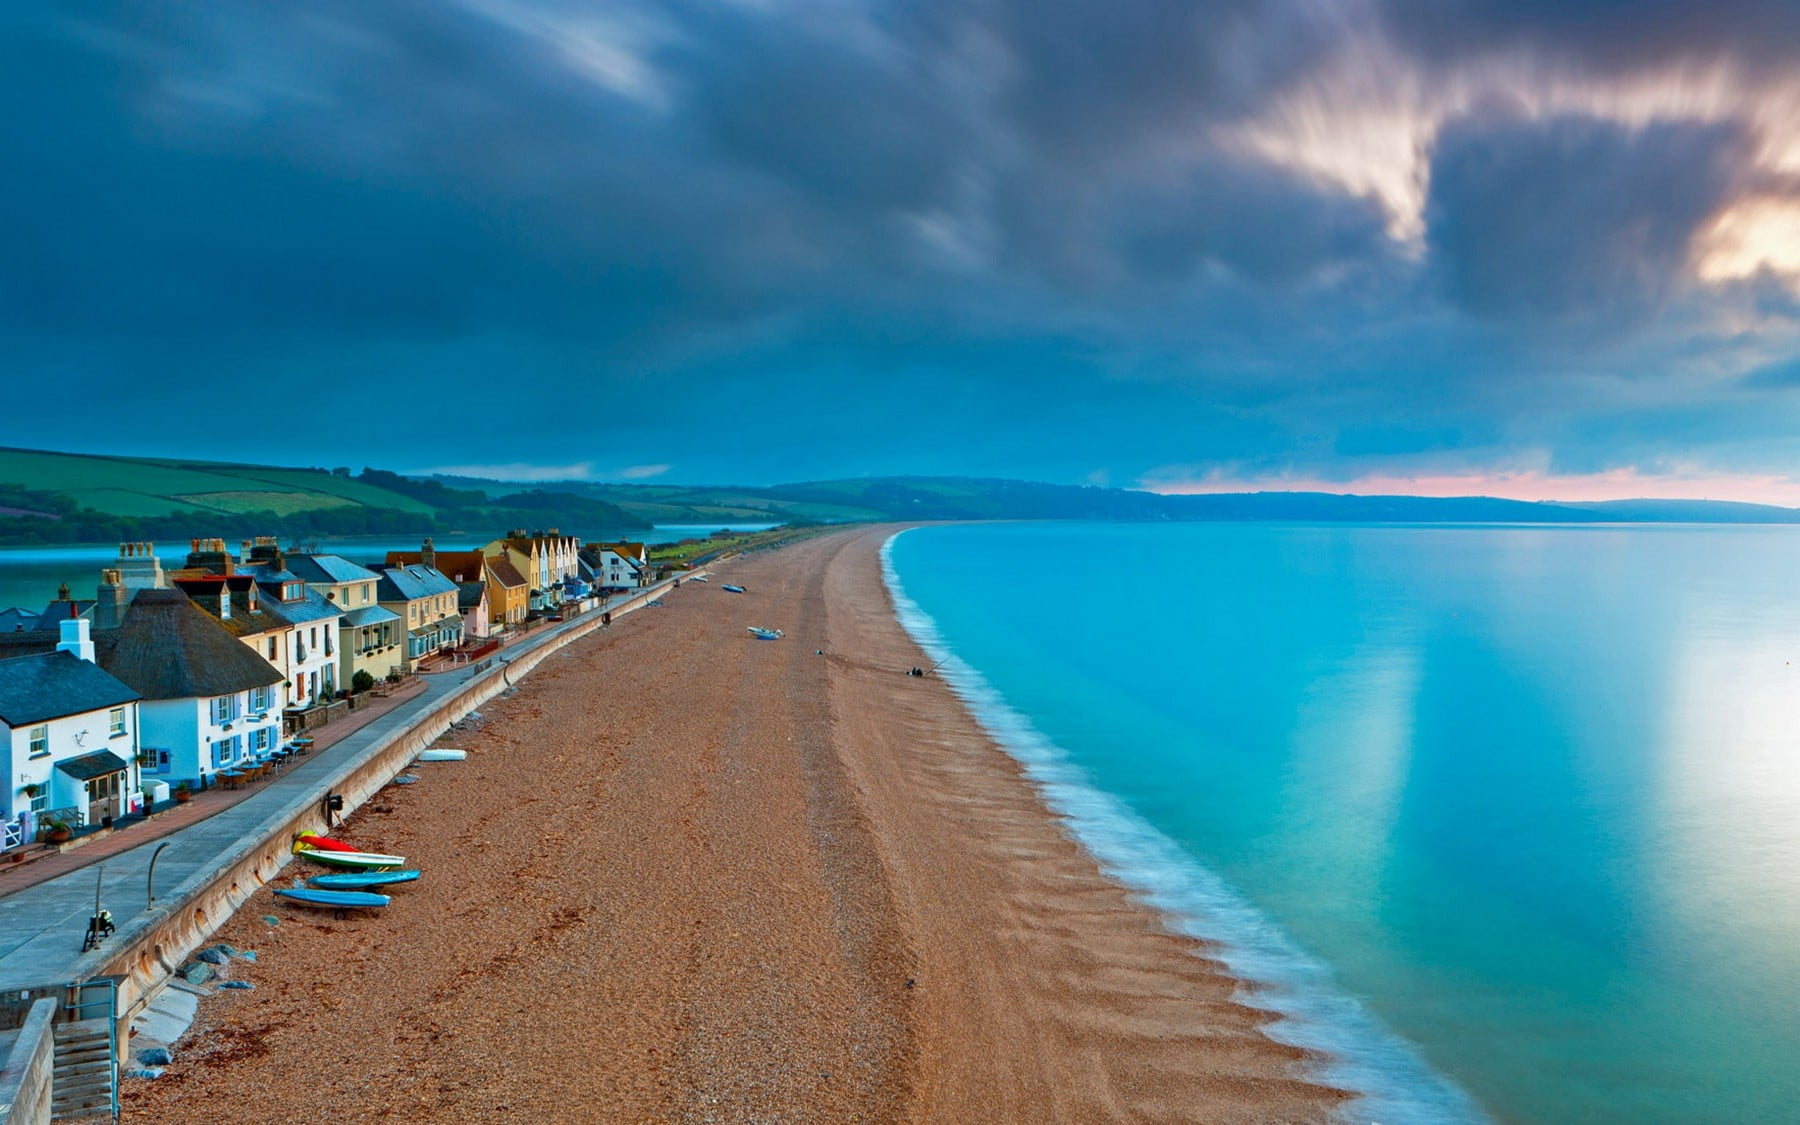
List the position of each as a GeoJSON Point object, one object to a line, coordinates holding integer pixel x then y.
{"type": "Point", "coordinates": [150, 947]}
{"type": "Point", "coordinates": [25, 1069]}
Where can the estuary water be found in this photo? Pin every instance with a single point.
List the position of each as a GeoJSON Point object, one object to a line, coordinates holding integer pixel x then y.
{"type": "Point", "coordinates": [1507, 818]}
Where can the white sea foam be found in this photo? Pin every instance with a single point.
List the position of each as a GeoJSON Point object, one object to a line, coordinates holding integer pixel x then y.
{"type": "Point", "coordinates": [1396, 1086]}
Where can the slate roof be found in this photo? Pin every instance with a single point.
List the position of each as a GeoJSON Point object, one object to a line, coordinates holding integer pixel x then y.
{"type": "Point", "coordinates": [12, 618]}
{"type": "Point", "coordinates": [327, 569]}
{"type": "Point", "coordinates": [35, 689]}
{"type": "Point", "coordinates": [244, 621]}
{"type": "Point", "coordinates": [170, 648]}
{"type": "Point", "coordinates": [469, 564]}
{"type": "Point", "coordinates": [405, 583]}
{"type": "Point", "coordinates": [57, 612]}
{"type": "Point", "coordinates": [87, 767]}
{"type": "Point", "coordinates": [368, 615]}
{"type": "Point", "coordinates": [470, 594]}
{"type": "Point", "coordinates": [309, 607]}
{"type": "Point", "coordinates": [25, 642]}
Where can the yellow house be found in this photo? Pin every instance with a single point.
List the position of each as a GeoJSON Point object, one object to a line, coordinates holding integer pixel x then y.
{"type": "Point", "coordinates": [509, 594]}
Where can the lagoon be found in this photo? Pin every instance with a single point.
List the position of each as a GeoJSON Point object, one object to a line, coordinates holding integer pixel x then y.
{"type": "Point", "coordinates": [1507, 817]}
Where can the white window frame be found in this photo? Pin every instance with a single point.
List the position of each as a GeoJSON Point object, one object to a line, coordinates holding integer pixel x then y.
{"type": "Point", "coordinates": [115, 722]}
{"type": "Point", "coordinates": [38, 744]}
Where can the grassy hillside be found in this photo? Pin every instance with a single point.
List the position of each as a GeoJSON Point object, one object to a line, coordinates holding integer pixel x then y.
{"type": "Point", "coordinates": [48, 497]}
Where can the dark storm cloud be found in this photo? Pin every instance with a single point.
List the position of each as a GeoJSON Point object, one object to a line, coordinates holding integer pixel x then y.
{"type": "Point", "coordinates": [1612, 33]}
{"type": "Point", "coordinates": [1022, 221]}
{"type": "Point", "coordinates": [1572, 218]}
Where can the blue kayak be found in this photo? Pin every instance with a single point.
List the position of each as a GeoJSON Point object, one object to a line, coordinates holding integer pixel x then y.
{"type": "Point", "coordinates": [339, 900]}
{"type": "Point", "coordinates": [355, 880]}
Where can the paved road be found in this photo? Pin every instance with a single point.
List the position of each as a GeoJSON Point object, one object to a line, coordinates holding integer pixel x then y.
{"type": "Point", "coordinates": [41, 927]}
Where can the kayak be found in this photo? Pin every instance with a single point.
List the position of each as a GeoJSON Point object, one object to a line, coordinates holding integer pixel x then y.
{"type": "Point", "coordinates": [352, 861]}
{"type": "Point", "coordinates": [338, 900]}
{"type": "Point", "coordinates": [324, 843]}
{"type": "Point", "coordinates": [357, 880]}
{"type": "Point", "coordinates": [442, 755]}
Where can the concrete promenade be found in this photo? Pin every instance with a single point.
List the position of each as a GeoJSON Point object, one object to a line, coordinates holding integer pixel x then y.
{"type": "Point", "coordinates": [41, 926]}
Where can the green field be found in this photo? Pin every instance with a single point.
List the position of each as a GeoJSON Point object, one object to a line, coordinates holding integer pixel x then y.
{"type": "Point", "coordinates": [137, 487]}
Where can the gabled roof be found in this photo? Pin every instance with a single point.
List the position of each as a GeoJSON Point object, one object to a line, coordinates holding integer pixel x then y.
{"type": "Point", "coordinates": [310, 606]}
{"type": "Point", "coordinates": [15, 616]}
{"type": "Point", "coordinates": [203, 591]}
{"type": "Point", "coordinates": [469, 595]}
{"type": "Point", "coordinates": [35, 689]}
{"type": "Point", "coordinates": [405, 583]}
{"type": "Point", "coordinates": [506, 572]}
{"type": "Point", "coordinates": [170, 648]}
{"type": "Point", "coordinates": [469, 564]}
{"type": "Point", "coordinates": [58, 612]}
{"type": "Point", "coordinates": [328, 569]}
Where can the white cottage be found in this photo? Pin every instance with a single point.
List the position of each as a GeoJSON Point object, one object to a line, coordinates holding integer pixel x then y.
{"type": "Point", "coordinates": [209, 702]}
{"type": "Point", "coordinates": [69, 736]}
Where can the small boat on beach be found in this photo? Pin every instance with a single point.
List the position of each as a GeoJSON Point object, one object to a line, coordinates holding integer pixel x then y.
{"type": "Point", "coordinates": [763, 634]}
{"type": "Point", "coordinates": [442, 755]}
{"type": "Point", "coordinates": [730, 589]}
{"type": "Point", "coordinates": [359, 880]}
{"type": "Point", "coordinates": [351, 861]}
{"type": "Point", "coordinates": [323, 843]}
{"type": "Point", "coordinates": [699, 578]}
{"type": "Point", "coordinates": [335, 900]}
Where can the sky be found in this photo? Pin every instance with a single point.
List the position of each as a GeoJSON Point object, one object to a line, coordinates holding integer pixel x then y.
{"type": "Point", "coordinates": [1534, 248]}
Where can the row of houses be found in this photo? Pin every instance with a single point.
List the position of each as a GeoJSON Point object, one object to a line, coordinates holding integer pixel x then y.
{"type": "Point", "coordinates": [172, 676]}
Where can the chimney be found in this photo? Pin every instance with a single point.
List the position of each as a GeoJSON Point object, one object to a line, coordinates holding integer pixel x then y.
{"type": "Point", "coordinates": [62, 593]}
{"type": "Point", "coordinates": [428, 554]}
{"type": "Point", "coordinates": [75, 639]}
{"type": "Point", "coordinates": [110, 600]}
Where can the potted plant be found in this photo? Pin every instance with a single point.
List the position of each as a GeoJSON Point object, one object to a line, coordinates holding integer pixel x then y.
{"type": "Point", "coordinates": [30, 791]}
{"type": "Point", "coordinates": [55, 832]}
{"type": "Point", "coordinates": [183, 793]}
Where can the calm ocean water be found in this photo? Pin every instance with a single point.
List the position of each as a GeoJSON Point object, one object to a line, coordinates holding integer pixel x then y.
{"type": "Point", "coordinates": [1508, 817]}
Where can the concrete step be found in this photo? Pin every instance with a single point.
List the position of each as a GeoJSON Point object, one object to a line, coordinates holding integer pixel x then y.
{"type": "Point", "coordinates": [81, 1052]}
{"type": "Point", "coordinates": [87, 1067]}
{"type": "Point", "coordinates": [79, 1029]}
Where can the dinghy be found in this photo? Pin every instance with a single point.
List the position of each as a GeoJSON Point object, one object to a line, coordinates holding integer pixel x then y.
{"type": "Point", "coordinates": [323, 843]}
{"type": "Point", "coordinates": [336, 900]}
{"type": "Point", "coordinates": [358, 880]}
{"type": "Point", "coordinates": [763, 634]}
{"type": "Point", "coordinates": [352, 861]}
{"type": "Point", "coordinates": [730, 589]}
{"type": "Point", "coordinates": [442, 755]}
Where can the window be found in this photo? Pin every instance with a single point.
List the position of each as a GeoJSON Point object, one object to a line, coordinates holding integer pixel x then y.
{"type": "Point", "coordinates": [41, 802]}
{"type": "Point", "coordinates": [40, 740]}
{"type": "Point", "coordinates": [259, 738]}
{"type": "Point", "coordinates": [271, 648]}
{"type": "Point", "coordinates": [225, 709]}
{"type": "Point", "coordinates": [328, 645]}
{"type": "Point", "coordinates": [225, 752]}
{"type": "Point", "coordinates": [259, 699]}
{"type": "Point", "coordinates": [115, 722]}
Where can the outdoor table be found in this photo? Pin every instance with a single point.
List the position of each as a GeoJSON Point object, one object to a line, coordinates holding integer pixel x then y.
{"type": "Point", "coordinates": [231, 779]}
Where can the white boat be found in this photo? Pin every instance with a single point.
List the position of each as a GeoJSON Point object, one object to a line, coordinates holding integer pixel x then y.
{"type": "Point", "coordinates": [730, 589]}
{"type": "Point", "coordinates": [699, 578]}
{"type": "Point", "coordinates": [763, 634]}
{"type": "Point", "coordinates": [442, 755]}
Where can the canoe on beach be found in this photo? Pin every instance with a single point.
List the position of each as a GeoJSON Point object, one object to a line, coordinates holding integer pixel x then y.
{"type": "Point", "coordinates": [337, 900]}
{"type": "Point", "coordinates": [442, 755]}
{"type": "Point", "coordinates": [323, 843]}
{"type": "Point", "coordinates": [729, 589]}
{"type": "Point", "coordinates": [351, 861]}
{"type": "Point", "coordinates": [357, 880]}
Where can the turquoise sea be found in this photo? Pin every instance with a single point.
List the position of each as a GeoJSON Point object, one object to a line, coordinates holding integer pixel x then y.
{"type": "Point", "coordinates": [1508, 818]}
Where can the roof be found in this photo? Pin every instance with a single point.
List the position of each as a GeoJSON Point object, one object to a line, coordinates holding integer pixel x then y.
{"type": "Point", "coordinates": [50, 685]}
{"type": "Point", "coordinates": [170, 648]}
{"type": "Point", "coordinates": [16, 616]}
{"type": "Point", "coordinates": [368, 615]}
{"type": "Point", "coordinates": [469, 564]}
{"type": "Point", "coordinates": [24, 642]}
{"type": "Point", "coordinates": [506, 572]}
{"type": "Point", "coordinates": [58, 611]}
{"type": "Point", "coordinates": [203, 591]}
{"type": "Point", "coordinates": [309, 606]}
{"type": "Point", "coordinates": [405, 583]}
{"type": "Point", "coordinates": [89, 766]}
{"type": "Point", "coordinates": [327, 569]}
{"type": "Point", "coordinates": [470, 594]}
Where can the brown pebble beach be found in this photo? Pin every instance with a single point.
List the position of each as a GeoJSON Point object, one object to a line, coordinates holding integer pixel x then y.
{"type": "Point", "coordinates": [690, 876]}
